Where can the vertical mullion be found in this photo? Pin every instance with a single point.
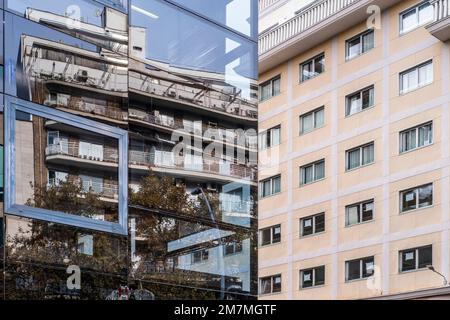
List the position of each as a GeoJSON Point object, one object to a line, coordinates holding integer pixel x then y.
{"type": "Point", "coordinates": [361, 268]}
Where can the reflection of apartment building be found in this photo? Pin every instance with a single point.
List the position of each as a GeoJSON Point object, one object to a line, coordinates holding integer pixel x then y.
{"type": "Point", "coordinates": [354, 124]}
{"type": "Point", "coordinates": [98, 80]}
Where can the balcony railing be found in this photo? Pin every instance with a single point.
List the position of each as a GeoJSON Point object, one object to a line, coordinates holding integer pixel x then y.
{"type": "Point", "coordinates": [202, 97]}
{"type": "Point", "coordinates": [264, 4]}
{"type": "Point", "coordinates": [106, 190]}
{"type": "Point", "coordinates": [317, 12]}
{"type": "Point", "coordinates": [441, 9]}
{"type": "Point", "coordinates": [72, 149]}
{"type": "Point", "coordinates": [167, 160]}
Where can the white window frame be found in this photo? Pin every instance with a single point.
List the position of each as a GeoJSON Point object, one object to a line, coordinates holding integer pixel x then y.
{"type": "Point", "coordinates": [416, 190]}
{"type": "Point", "coordinates": [314, 232]}
{"type": "Point", "coordinates": [360, 108]}
{"type": "Point", "coordinates": [361, 158]}
{"type": "Point", "coordinates": [202, 257]}
{"type": "Point", "coordinates": [311, 61]}
{"type": "Point", "coordinates": [361, 46]}
{"type": "Point", "coordinates": [415, 8]}
{"type": "Point", "coordinates": [271, 193]}
{"type": "Point", "coordinates": [416, 68]}
{"type": "Point", "coordinates": [416, 129]}
{"type": "Point", "coordinates": [272, 281]}
{"type": "Point", "coordinates": [313, 164]}
{"type": "Point", "coordinates": [361, 261]}
{"type": "Point", "coordinates": [360, 205]}
{"type": "Point", "coordinates": [270, 83]}
{"type": "Point", "coordinates": [416, 256]}
{"type": "Point", "coordinates": [314, 114]}
{"type": "Point", "coordinates": [314, 285]}
{"type": "Point", "coordinates": [272, 228]}
{"type": "Point", "coordinates": [263, 137]}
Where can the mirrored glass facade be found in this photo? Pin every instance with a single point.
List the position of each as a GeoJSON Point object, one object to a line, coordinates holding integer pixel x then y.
{"type": "Point", "coordinates": [129, 134]}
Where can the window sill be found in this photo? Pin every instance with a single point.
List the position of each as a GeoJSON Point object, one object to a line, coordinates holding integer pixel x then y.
{"type": "Point", "coordinates": [265, 100]}
{"type": "Point", "coordinates": [269, 294]}
{"type": "Point", "coordinates": [313, 235]}
{"type": "Point", "coordinates": [313, 287]}
{"type": "Point", "coordinates": [359, 112]}
{"type": "Point", "coordinates": [270, 196]}
{"type": "Point", "coordinates": [360, 167]}
{"type": "Point", "coordinates": [404, 33]}
{"type": "Point", "coordinates": [269, 245]}
{"type": "Point", "coordinates": [404, 93]}
{"type": "Point", "coordinates": [311, 131]}
{"type": "Point", "coordinates": [359, 55]}
{"type": "Point", "coordinates": [359, 224]}
{"type": "Point", "coordinates": [416, 210]}
{"type": "Point", "coordinates": [358, 280]}
{"type": "Point", "coordinates": [412, 271]}
{"type": "Point", "coordinates": [416, 149]}
{"type": "Point", "coordinates": [311, 183]}
{"type": "Point", "coordinates": [312, 78]}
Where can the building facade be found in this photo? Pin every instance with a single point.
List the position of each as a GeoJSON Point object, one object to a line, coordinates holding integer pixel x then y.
{"type": "Point", "coordinates": [354, 150]}
{"type": "Point", "coordinates": [130, 149]}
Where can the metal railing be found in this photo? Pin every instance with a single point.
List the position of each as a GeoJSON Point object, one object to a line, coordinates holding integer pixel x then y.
{"type": "Point", "coordinates": [317, 12]}
{"type": "Point", "coordinates": [72, 149]}
{"type": "Point", "coordinates": [106, 190]}
{"type": "Point", "coordinates": [190, 163]}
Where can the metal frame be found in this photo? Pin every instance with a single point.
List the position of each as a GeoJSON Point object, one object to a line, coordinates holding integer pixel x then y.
{"type": "Point", "coordinates": [11, 207]}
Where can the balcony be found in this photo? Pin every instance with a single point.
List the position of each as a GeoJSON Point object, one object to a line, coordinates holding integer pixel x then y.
{"type": "Point", "coordinates": [192, 166]}
{"type": "Point", "coordinates": [106, 191]}
{"type": "Point", "coordinates": [65, 153]}
{"type": "Point", "coordinates": [440, 28]}
{"type": "Point", "coordinates": [266, 4]}
{"type": "Point", "coordinates": [315, 24]}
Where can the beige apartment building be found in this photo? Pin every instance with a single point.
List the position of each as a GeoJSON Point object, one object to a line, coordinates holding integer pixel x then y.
{"type": "Point", "coordinates": [354, 137]}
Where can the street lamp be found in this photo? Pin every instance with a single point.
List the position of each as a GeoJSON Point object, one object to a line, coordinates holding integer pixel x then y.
{"type": "Point", "coordinates": [430, 267]}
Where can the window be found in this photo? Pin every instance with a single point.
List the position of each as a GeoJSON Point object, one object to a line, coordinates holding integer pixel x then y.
{"type": "Point", "coordinates": [312, 68]}
{"type": "Point", "coordinates": [359, 212]}
{"type": "Point", "coordinates": [416, 17]}
{"type": "Point", "coordinates": [416, 77]}
{"type": "Point", "coordinates": [312, 277]}
{"type": "Point", "coordinates": [312, 225]}
{"type": "Point", "coordinates": [415, 259]}
{"type": "Point", "coordinates": [416, 137]}
{"type": "Point", "coordinates": [270, 284]}
{"type": "Point", "coordinates": [312, 120]}
{"type": "Point", "coordinates": [359, 44]}
{"type": "Point", "coordinates": [360, 156]}
{"type": "Point", "coordinates": [359, 268]}
{"type": "Point", "coordinates": [415, 198]}
{"type": "Point", "coordinates": [270, 88]}
{"type": "Point", "coordinates": [199, 256]}
{"type": "Point", "coordinates": [270, 186]}
{"type": "Point", "coordinates": [269, 138]}
{"type": "Point", "coordinates": [270, 235]}
{"type": "Point", "coordinates": [232, 248]}
{"type": "Point", "coordinates": [312, 172]}
{"type": "Point", "coordinates": [16, 196]}
{"type": "Point", "coordinates": [360, 101]}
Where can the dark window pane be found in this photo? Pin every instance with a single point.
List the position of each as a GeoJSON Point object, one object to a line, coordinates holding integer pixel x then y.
{"type": "Point", "coordinates": [265, 237]}
{"type": "Point", "coordinates": [426, 196]}
{"type": "Point", "coordinates": [320, 223]}
{"type": "Point", "coordinates": [276, 237]}
{"type": "Point", "coordinates": [266, 285]}
{"type": "Point", "coordinates": [368, 267]}
{"type": "Point", "coordinates": [319, 65]}
{"type": "Point", "coordinates": [307, 227]}
{"type": "Point", "coordinates": [353, 270]}
{"type": "Point", "coordinates": [367, 211]}
{"type": "Point", "coordinates": [425, 257]}
{"type": "Point", "coordinates": [276, 284]}
{"type": "Point", "coordinates": [408, 260]}
{"type": "Point", "coordinates": [320, 276]}
{"type": "Point", "coordinates": [307, 278]}
{"type": "Point", "coordinates": [409, 199]}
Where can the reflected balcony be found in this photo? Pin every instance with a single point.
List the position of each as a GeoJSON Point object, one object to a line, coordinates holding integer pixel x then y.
{"type": "Point", "coordinates": [190, 166]}
{"type": "Point", "coordinates": [106, 191]}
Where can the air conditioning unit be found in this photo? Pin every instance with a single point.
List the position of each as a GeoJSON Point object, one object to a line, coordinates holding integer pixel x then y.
{"type": "Point", "coordinates": [82, 75]}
